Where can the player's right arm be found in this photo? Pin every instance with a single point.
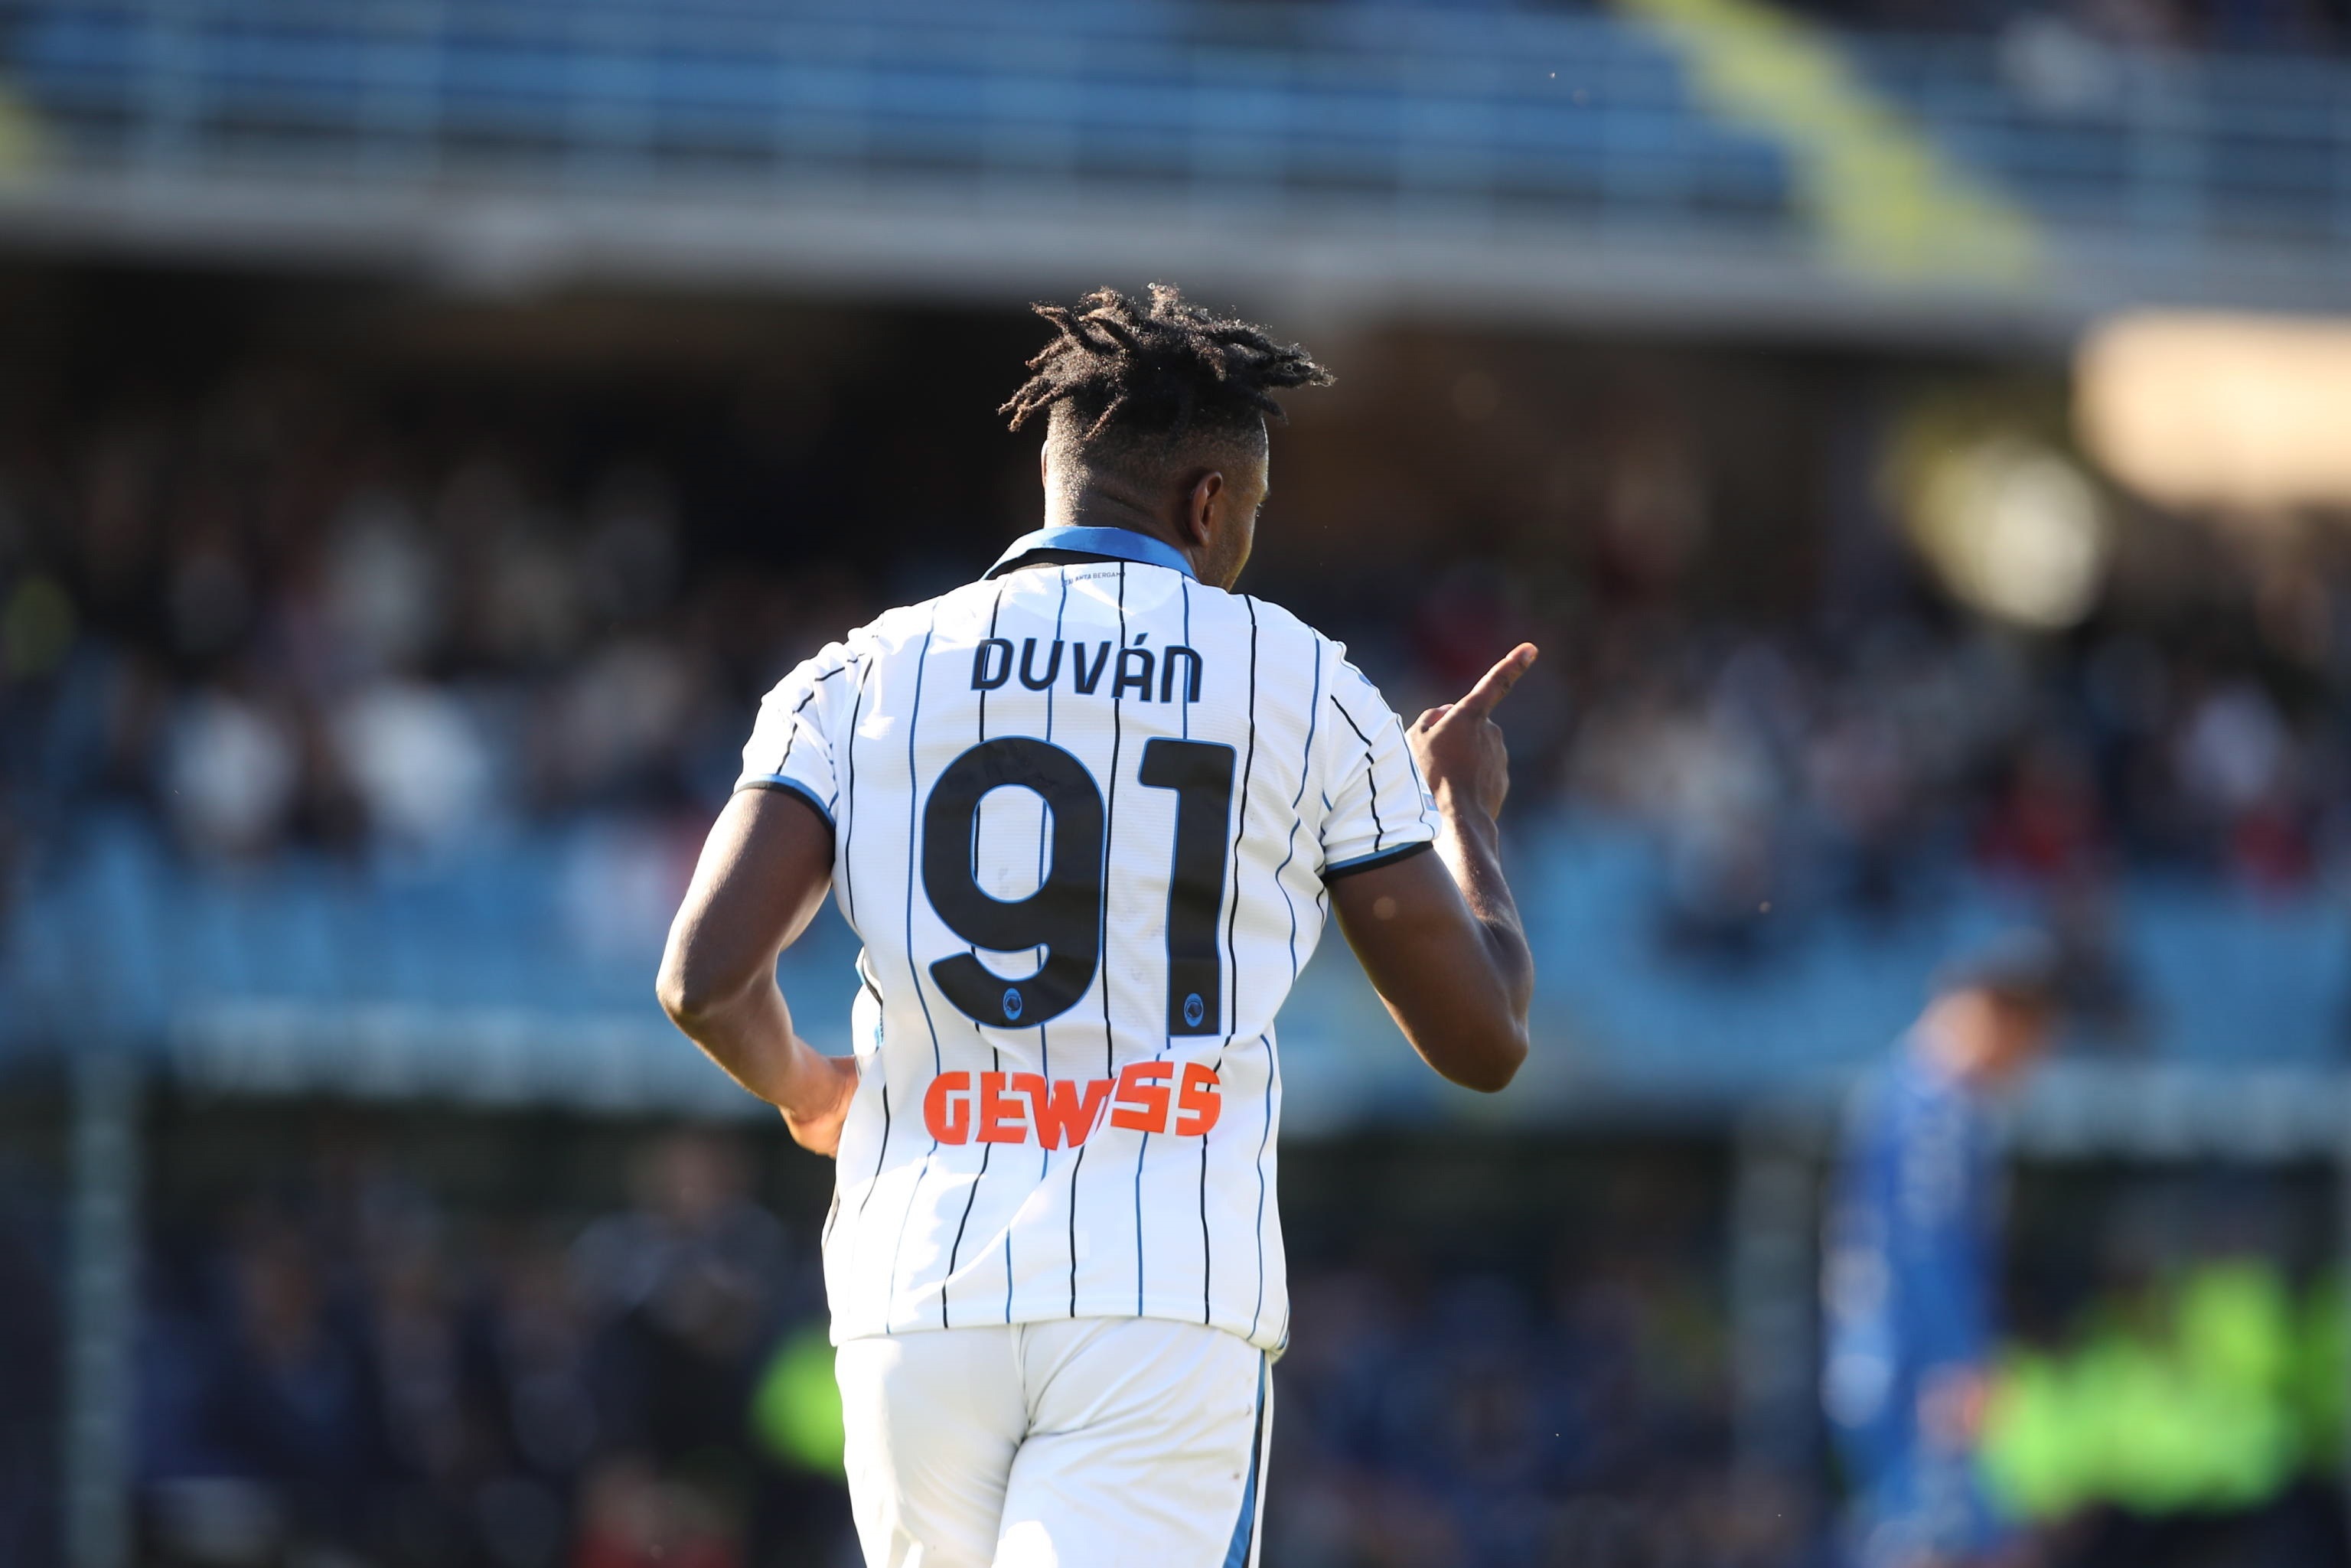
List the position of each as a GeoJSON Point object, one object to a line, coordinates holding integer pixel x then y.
{"type": "Point", "coordinates": [1439, 935]}
{"type": "Point", "coordinates": [763, 876]}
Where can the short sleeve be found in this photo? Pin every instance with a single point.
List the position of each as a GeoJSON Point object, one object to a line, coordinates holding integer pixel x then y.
{"type": "Point", "coordinates": [790, 746]}
{"type": "Point", "coordinates": [1377, 810]}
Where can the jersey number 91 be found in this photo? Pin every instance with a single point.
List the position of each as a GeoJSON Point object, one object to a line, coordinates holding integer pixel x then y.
{"type": "Point", "coordinates": [1066, 916]}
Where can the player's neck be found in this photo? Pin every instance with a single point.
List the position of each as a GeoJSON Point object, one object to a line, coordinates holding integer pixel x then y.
{"type": "Point", "coordinates": [1086, 508]}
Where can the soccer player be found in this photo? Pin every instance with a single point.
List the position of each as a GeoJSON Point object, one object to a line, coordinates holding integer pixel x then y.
{"type": "Point", "coordinates": [1913, 1260]}
{"type": "Point", "coordinates": [1087, 816]}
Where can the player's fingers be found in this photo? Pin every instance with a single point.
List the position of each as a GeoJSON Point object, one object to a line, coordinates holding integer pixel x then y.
{"type": "Point", "coordinates": [1496, 683]}
{"type": "Point", "coordinates": [1429, 717]}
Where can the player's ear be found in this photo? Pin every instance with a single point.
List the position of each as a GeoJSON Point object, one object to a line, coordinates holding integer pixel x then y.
{"type": "Point", "coordinates": [1201, 506]}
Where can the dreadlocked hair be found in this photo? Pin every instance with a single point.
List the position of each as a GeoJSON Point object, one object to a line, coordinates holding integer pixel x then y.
{"type": "Point", "coordinates": [1127, 372]}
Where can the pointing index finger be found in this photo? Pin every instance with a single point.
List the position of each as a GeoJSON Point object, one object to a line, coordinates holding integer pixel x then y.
{"type": "Point", "coordinates": [1496, 683]}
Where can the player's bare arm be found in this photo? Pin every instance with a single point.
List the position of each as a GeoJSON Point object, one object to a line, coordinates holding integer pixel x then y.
{"type": "Point", "coordinates": [1439, 935]}
{"type": "Point", "coordinates": [762, 877]}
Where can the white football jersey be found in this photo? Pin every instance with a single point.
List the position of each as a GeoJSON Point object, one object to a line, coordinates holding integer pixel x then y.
{"type": "Point", "coordinates": [1083, 813]}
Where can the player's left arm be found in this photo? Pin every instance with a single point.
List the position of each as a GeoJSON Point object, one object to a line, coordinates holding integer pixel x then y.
{"type": "Point", "coordinates": [762, 877]}
{"type": "Point", "coordinates": [1439, 935]}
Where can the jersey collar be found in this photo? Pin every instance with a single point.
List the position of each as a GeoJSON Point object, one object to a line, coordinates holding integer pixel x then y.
{"type": "Point", "coordinates": [1118, 544]}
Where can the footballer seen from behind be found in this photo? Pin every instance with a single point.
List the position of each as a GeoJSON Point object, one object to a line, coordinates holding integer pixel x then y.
{"type": "Point", "coordinates": [1087, 816]}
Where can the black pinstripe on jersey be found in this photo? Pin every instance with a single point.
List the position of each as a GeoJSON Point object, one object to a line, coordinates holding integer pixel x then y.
{"type": "Point", "coordinates": [1110, 1045]}
{"type": "Point", "coordinates": [913, 969]}
{"type": "Point", "coordinates": [1232, 962]}
{"type": "Point", "coordinates": [995, 1056]}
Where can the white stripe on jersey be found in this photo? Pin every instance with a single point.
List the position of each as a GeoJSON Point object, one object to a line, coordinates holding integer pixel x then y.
{"type": "Point", "coordinates": [1079, 801]}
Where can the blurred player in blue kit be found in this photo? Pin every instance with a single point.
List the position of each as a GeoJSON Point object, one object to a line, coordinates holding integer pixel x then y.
{"type": "Point", "coordinates": [1912, 1265]}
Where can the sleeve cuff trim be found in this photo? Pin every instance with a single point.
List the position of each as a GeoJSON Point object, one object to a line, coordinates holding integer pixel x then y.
{"type": "Point", "coordinates": [791, 786]}
{"type": "Point", "coordinates": [1373, 862]}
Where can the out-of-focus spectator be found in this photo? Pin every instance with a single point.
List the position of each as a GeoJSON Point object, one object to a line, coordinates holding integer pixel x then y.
{"type": "Point", "coordinates": [632, 1518]}
{"type": "Point", "coordinates": [2043, 823]}
{"type": "Point", "coordinates": [382, 591]}
{"type": "Point", "coordinates": [2095, 987]}
{"type": "Point", "coordinates": [691, 1280]}
{"type": "Point", "coordinates": [539, 1337]}
{"type": "Point", "coordinates": [621, 717]}
{"type": "Point", "coordinates": [292, 1396]}
{"type": "Point", "coordinates": [230, 774]}
{"type": "Point", "coordinates": [418, 762]}
{"type": "Point", "coordinates": [2237, 762]}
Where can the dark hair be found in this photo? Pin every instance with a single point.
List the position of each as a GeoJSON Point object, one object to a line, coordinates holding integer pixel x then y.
{"type": "Point", "coordinates": [1126, 374]}
{"type": "Point", "coordinates": [2020, 966]}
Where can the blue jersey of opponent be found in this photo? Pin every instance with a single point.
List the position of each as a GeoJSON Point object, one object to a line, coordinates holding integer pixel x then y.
{"type": "Point", "coordinates": [1912, 1253]}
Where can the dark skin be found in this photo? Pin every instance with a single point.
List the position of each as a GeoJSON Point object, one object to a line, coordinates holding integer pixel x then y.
{"type": "Point", "coordinates": [1438, 934]}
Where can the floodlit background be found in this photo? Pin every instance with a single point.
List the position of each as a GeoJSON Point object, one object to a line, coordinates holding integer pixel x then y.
{"type": "Point", "coordinates": [1911, 428]}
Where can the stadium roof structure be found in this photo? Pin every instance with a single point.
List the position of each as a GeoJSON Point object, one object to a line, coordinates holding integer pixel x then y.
{"type": "Point", "coordinates": [1703, 163]}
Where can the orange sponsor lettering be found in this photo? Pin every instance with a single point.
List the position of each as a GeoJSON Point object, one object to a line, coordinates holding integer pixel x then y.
{"type": "Point", "coordinates": [1003, 1119]}
{"type": "Point", "coordinates": [1199, 1102]}
{"type": "Point", "coordinates": [1024, 1108]}
{"type": "Point", "coordinates": [947, 1107]}
{"type": "Point", "coordinates": [1141, 1103]}
{"type": "Point", "coordinates": [1066, 1114]}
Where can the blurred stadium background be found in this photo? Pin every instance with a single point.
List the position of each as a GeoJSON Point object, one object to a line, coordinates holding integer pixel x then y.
{"type": "Point", "coordinates": [1913, 430]}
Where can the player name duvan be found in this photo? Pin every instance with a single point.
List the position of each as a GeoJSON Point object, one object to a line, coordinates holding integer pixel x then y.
{"type": "Point", "coordinates": [992, 665]}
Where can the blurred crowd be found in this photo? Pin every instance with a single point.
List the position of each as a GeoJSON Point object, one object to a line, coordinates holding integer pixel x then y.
{"type": "Point", "coordinates": [1809, 773]}
{"type": "Point", "coordinates": [346, 1371]}
{"type": "Point", "coordinates": [1477, 1417]}
{"type": "Point", "coordinates": [266, 621]}
{"type": "Point", "coordinates": [1851, 767]}
{"type": "Point", "coordinates": [346, 1368]}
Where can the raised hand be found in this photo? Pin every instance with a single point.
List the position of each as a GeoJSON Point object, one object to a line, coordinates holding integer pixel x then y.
{"type": "Point", "coordinates": [1459, 747]}
{"type": "Point", "coordinates": [1439, 934]}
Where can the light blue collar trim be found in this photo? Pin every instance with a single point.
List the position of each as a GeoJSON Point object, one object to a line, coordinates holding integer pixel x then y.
{"type": "Point", "coordinates": [1119, 544]}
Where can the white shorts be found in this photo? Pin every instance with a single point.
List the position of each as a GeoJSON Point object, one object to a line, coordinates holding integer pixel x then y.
{"type": "Point", "coordinates": [1080, 1443]}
